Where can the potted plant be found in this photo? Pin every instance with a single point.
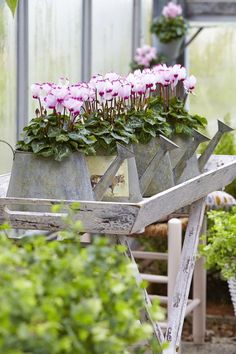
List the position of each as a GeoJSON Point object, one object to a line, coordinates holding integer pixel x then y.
{"type": "Point", "coordinates": [73, 121]}
{"type": "Point", "coordinates": [169, 30]}
{"type": "Point", "coordinates": [60, 297]}
{"type": "Point", "coordinates": [167, 103]}
{"type": "Point", "coordinates": [220, 247]}
{"type": "Point", "coordinates": [146, 57]}
{"type": "Point", "coordinates": [72, 140]}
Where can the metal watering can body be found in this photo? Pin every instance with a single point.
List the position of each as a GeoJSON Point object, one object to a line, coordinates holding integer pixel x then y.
{"type": "Point", "coordinates": [162, 178]}
{"type": "Point", "coordinates": [41, 177]}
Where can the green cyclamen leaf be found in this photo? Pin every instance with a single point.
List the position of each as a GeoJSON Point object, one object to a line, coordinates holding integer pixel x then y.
{"type": "Point", "coordinates": [53, 132]}
{"type": "Point", "coordinates": [37, 146]}
{"type": "Point", "coordinates": [62, 137]}
{"type": "Point", "coordinates": [61, 152]}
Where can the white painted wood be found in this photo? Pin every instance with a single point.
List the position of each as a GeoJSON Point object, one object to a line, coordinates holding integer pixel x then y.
{"type": "Point", "coordinates": [191, 306]}
{"type": "Point", "coordinates": [149, 255]}
{"type": "Point", "coordinates": [162, 279]}
{"type": "Point", "coordinates": [124, 218]}
{"type": "Point", "coordinates": [174, 253]}
{"type": "Point", "coordinates": [4, 182]}
{"type": "Point", "coordinates": [184, 277]}
{"type": "Point", "coordinates": [199, 291]}
{"type": "Point", "coordinates": [184, 194]}
{"type": "Point", "coordinates": [147, 315]}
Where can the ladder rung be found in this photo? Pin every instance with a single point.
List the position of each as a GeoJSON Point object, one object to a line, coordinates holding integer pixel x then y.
{"type": "Point", "coordinates": [163, 279]}
{"type": "Point", "coordinates": [162, 299]}
{"type": "Point", "coordinates": [150, 255]}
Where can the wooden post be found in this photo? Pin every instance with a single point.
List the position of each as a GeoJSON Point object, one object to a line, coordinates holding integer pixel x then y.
{"type": "Point", "coordinates": [174, 253]}
{"type": "Point", "coordinates": [184, 276]}
{"type": "Point", "coordinates": [199, 292]}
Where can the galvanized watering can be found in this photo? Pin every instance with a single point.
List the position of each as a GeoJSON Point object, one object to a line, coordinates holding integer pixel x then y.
{"type": "Point", "coordinates": [76, 178]}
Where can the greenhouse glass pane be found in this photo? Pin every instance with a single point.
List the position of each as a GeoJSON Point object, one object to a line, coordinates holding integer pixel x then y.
{"type": "Point", "coordinates": [212, 61]}
{"type": "Point", "coordinates": [146, 20]}
{"type": "Point", "coordinates": [111, 36]}
{"type": "Point", "coordinates": [55, 28]}
{"type": "Point", "coordinates": [7, 86]}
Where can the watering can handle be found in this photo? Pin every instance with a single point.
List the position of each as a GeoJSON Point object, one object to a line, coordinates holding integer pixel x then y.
{"type": "Point", "coordinates": [5, 142]}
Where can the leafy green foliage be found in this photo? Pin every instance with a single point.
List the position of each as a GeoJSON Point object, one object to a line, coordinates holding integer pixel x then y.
{"type": "Point", "coordinates": [12, 4]}
{"type": "Point", "coordinates": [134, 126]}
{"type": "Point", "coordinates": [179, 119]}
{"type": "Point", "coordinates": [220, 250]}
{"type": "Point", "coordinates": [169, 29]}
{"type": "Point", "coordinates": [57, 137]}
{"type": "Point", "coordinates": [61, 298]}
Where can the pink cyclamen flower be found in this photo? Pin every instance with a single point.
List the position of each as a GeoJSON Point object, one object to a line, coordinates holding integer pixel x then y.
{"type": "Point", "coordinates": [124, 91]}
{"type": "Point", "coordinates": [112, 76]}
{"type": "Point", "coordinates": [190, 83]}
{"type": "Point", "coordinates": [50, 101]}
{"type": "Point", "coordinates": [47, 87]}
{"type": "Point", "coordinates": [61, 93]}
{"type": "Point", "coordinates": [172, 10]}
{"type": "Point", "coordinates": [73, 105]}
{"type": "Point", "coordinates": [36, 90]}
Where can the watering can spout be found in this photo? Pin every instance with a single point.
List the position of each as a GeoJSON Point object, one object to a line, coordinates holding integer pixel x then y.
{"type": "Point", "coordinates": [222, 129]}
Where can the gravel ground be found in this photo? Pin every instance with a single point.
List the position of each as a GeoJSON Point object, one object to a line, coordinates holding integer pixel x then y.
{"type": "Point", "coordinates": [221, 346]}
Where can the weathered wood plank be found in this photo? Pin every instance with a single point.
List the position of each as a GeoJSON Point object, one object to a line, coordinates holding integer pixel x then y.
{"type": "Point", "coordinates": [202, 8]}
{"type": "Point", "coordinates": [184, 276]}
{"type": "Point", "coordinates": [168, 201]}
{"type": "Point", "coordinates": [124, 218]}
{"type": "Point", "coordinates": [147, 316]}
{"type": "Point", "coordinates": [4, 182]}
{"type": "Point", "coordinates": [95, 218]}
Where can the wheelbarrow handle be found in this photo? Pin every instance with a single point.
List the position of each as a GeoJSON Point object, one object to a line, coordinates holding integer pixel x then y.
{"type": "Point", "coordinates": [13, 151]}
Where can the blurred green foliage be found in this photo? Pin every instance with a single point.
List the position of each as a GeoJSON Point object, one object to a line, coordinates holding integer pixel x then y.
{"type": "Point", "coordinates": [58, 297]}
{"type": "Point", "coordinates": [220, 250]}
{"type": "Point", "coordinates": [12, 4]}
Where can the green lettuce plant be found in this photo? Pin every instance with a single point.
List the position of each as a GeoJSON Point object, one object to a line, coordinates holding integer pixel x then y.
{"type": "Point", "coordinates": [220, 247]}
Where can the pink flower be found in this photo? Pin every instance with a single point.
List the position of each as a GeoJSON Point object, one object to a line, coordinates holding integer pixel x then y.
{"type": "Point", "coordinates": [73, 105]}
{"type": "Point", "coordinates": [172, 10]}
{"type": "Point", "coordinates": [100, 86]}
{"type": "Point", "coordinates": [164, 77]}
{"type": "Point", "coordinates": [50, 101]}
{"type": "Point", "coordinates": [47, 87]}
{"type": "Point", "coordinates": [190, 83]}
{"type": "Point", "coordinates": [124, 91]}
{"type": "Point", "coordinates": [60, 92]}
{"type": "Point", "coordinates": [36, 90]}
{"type": "Point", "coordinates": [63, 81]}
{"type": "Point", "coordinates": [112, 76]}
{"type": "Point", "coordinates": [182, 74]}
{"type": "Point", "coordinates": [144, 55]}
